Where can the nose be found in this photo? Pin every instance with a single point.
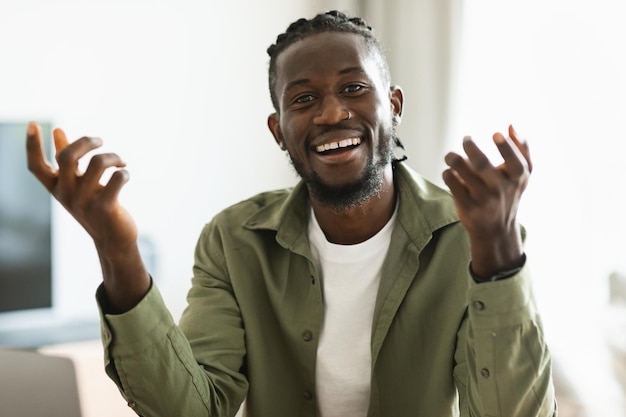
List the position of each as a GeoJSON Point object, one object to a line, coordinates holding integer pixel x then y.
{"type": "Point", "coordinates": [331, 111]}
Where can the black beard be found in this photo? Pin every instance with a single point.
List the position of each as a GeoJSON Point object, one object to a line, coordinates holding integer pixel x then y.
{"type": "Point", "coordinates": [351, 195]}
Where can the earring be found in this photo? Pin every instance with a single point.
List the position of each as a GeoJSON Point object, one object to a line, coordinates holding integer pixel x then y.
{"type": "Point", "coordinates": [282, 145]}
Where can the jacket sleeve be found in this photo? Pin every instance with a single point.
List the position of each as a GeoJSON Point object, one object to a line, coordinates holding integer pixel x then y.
{"type": "Point", "coordinates": [162, 371]}
{"type": "Point", "coordinates": [503, 365]}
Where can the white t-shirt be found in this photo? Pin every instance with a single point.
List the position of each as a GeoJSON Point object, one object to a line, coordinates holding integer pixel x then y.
{"type": "Point", "coordinates": [350, 276]}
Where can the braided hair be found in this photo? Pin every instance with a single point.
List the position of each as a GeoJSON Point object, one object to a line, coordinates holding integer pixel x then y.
{"type": "Point", "coordinates": [332, 21]}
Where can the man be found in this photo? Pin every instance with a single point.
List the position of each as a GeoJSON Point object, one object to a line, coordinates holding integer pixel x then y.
{"type": "Point", "coordinates": [365, 290]}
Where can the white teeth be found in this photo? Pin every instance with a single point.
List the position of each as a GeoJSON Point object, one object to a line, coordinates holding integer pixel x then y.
{"type": "Point", "coordinates": [341, 144]}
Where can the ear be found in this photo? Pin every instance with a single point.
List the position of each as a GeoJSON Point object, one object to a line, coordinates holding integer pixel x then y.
{"type": "Point", "coordinates": [273, 123]}
{"type": "Point", "coordinates": [397, 101]}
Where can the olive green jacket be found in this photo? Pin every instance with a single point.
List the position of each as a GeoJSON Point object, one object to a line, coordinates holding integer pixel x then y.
{"type": "Point", "coordinates": [442, 345]}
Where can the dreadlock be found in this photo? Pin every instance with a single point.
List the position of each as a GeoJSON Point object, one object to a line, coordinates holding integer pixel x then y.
{"type": "Point", "coordinates": [331, 21]}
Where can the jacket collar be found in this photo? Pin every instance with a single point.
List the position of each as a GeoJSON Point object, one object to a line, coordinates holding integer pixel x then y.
{"type": "Point", "coordinates": [423, 208]}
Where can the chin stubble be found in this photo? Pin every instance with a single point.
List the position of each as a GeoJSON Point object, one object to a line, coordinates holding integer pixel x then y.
{"type": "Point", "coordinates": [354, 194]}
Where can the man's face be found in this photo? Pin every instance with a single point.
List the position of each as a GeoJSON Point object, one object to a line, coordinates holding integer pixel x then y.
{"type": "Point", "coordinates": [332, 94]}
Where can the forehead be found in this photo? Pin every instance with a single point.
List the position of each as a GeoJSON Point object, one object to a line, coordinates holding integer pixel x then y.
{"type": "Point", "coordinates": [326, 54]}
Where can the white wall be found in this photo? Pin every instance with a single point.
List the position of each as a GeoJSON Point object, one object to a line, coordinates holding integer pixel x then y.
{"type": "Point", "coordinates": [178, 88]}
{"type": "Point", "coordinates": [556, 70]}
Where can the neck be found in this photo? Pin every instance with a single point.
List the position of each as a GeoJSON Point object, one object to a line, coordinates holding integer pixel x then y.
{"type": "Point", "coordinates": [359, 223]}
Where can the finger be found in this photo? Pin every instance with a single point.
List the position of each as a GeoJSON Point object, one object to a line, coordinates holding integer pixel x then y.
{"type": "Point", "coordinates": [514, 161]}
{"type": "Point", "coordinates": [457, 188]}
{"type": "Point", "coordinates": [477, 158]}
{"type": "Point", "coordinates": [115, 184]}
{"type": "Point", "coordinates": [455, 183]}
{"type": "Point", "coordinates": [36, 158]}
{"type": "Point", "coordinates": [60, 140]}
{"type": "Point", "coordinates": [522, 145]}
{"type": "Point", "coordinates": [513, 134]}
{"type": "Point", "coordinates": [98, 165]}
{"type": "Point", "coordinates": [466, 174]}
{"type": "Point", "coordinates": [68, 155]}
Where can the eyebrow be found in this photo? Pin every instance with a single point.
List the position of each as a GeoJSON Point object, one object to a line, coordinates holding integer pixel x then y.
{"type": "Point", "coordinates": [301, 81]}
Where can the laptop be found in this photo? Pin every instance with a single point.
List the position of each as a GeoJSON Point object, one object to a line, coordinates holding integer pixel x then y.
{"type": "Point", "coordinates": [32, 384]}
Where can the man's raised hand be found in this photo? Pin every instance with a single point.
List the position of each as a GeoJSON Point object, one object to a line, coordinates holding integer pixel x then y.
{"type": "Point", "coordinates": [96, 207]}
{"type": "Point", "coordinates": [487, 198]}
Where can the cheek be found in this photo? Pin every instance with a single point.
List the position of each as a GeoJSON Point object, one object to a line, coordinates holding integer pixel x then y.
{"type": "Point", "coordinates": [388, 120]}
{"type": "Point", "coordinates": [292, 135]}
{"type": "Point", "coordinates": [292, 146]}
{"type": "Point", "coordinates": [384, 121]}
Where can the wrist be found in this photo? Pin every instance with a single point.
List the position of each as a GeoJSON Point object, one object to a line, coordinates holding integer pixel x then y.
{"type": "Point", "coordinates": [126, 280]}
{"type": "Point", "coordinates": [496, 253]}
{"type": "Point", "coordinates": [504, 274]}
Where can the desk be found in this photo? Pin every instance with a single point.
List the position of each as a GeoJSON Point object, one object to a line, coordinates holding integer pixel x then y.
{"type": "Point", "coordinates": [99, 396]}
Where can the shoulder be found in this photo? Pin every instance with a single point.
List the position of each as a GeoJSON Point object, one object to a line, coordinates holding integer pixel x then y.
{"type": "Point", "coordinates": [264, 205]}
{"type": "Point", "coordinates": [266, 200]}
{"type": "Point", "coordinates": [268, 210]}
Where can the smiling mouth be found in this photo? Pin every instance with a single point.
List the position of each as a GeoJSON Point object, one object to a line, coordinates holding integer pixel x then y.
{"type": "Point", "coordinates": [342, 144]}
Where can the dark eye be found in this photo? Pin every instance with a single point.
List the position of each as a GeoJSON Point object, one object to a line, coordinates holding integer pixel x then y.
{"type": "Point", "coordinates": [303, 98]}
{"type": "Point", "coordinates": [353, 88]}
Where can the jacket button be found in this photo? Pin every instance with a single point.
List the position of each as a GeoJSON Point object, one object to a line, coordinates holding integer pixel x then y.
{"type": "Point", "coordinates": [307, 336]}
{"type": "Point", "coordinates": [478, 305]}
{"type": "Point", "coordinates": [485, 373]}
{"type": "Point", "coordinates": [308, 395]}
